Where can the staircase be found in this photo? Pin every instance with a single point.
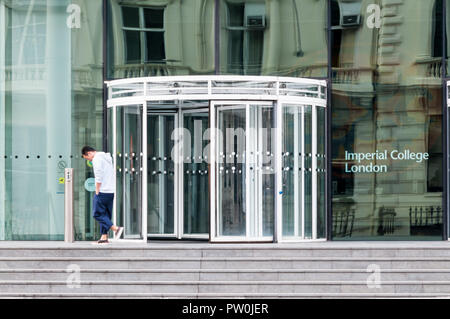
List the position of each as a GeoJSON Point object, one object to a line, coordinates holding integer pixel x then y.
{"type": "Point", "coordinates": [204, 270]}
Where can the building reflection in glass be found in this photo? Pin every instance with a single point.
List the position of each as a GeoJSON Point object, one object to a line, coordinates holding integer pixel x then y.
{"type": "Point", "coordinates": [387, 96]}
{"type": "Point", "coordinates": [260, 37]}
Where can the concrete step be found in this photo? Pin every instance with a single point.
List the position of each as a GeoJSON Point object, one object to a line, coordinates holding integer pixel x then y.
{"type": "Point", "coordinates": [225, 262]}
{"type": "Point", "coordinates": [203, 270]}
{"type": "Point", "coordinates": [225, 275]}
{"type": "Point", "coordinates": [225, 287]}
{"type": "Point", "coordinates": [311, 295]}
{"type": "Point", "coordinates": [217, 251]}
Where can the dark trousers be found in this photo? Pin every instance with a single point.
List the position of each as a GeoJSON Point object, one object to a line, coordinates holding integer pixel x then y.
{"type": "Point", "coordinates": [102, 211]}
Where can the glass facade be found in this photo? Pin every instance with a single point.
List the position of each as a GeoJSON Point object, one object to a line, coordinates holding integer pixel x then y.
{"type": "Point", "coordinates": [163, 38]}
{"type": "Point", "coordinates": [387, 112]}
{"type": "Point", "coordinates": [51, 104]}
{"type": "Point", "coordinates": [386, 63]}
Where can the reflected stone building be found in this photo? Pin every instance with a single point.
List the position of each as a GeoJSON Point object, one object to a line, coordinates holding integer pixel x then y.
{"type": "Point", "coordinates": [387, 95]}
{"type": "Point", "coordinates": [51, 104]}
{"type": "Point", "coordinates": [68, 66]}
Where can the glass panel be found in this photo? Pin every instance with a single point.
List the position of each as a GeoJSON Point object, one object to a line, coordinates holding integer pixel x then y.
{"type": "Point", "coordinates": [178, 37]}
{"type": "Point", "coordinates": [130, 17]}
{"type": "Point", "coordinates": [236, 14]}
{"type": "Point", "coordinates": [263, 37]}
{"type": "Point", "coordinates": [132, 124]}
{"type": "Point", "coordinates": [156, 51]}
{"type": "Point", "coordinates": [308, 170]}
{"type": "Point", "coordinates": [133, 46]}
{"type": "Point", "coordinates": [161, 174]}
{"type": "Point", "coordinates": [321, 172]}
{"type": "Point", "coordinates": [292, 171]}
{"type": "Point", "coordinates": [387, 116]}
{"type": "Point", "coordinates": [245, 173]}
{"type": "Point", "coordinates": [231, 172]}
{"type": "Point", "coordinates": [50, 107]}
{"type": "Point", "coordinates": [446, 33]}
{"type": "Point", "coordinates": [196, 177]}
{"type": "Point", "coordinates": [154, 18]}
{"type": "Point", "coordinates": [236, 52]}
{"type": "Point", "coordinates": [120, 166]}
{"type": "Point", "coordinates": [265, 169]}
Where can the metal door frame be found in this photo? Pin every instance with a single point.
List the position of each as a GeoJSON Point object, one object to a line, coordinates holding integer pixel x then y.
{"type": "Point", "coordinates": [299, 236]}
{"type": "Point", "coordinates": [181, 234]}
{"type": "Point", "coordinates": [115, 107]}
{"type": "Point", "coordinates": [175, 114]}
{"type": "Point", "coordinates": [229, 105]}
{"type": "Point", "coordinates": [223, 89]}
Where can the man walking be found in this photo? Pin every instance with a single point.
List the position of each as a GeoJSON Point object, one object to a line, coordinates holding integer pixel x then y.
{"type": "Point", "coordinates": [105, 185]}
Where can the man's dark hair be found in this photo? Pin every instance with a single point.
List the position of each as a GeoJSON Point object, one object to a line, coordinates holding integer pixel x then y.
{"type": "Point", "coordinates": [86, 150]}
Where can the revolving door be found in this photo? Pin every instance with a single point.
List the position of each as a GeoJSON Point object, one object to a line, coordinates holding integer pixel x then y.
{"type": "Point", "coordinates": [229, 159]}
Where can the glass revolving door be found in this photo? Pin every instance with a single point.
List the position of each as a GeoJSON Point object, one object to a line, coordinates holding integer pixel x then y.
{"type": "Point", "coordinates": [245, 183]}
{"type": "Point", "coordinates": [161, 175]}
{"type": "Point", "coordinates": [128, 157]}
{"type": "Point", "coordinates": [224, 158]}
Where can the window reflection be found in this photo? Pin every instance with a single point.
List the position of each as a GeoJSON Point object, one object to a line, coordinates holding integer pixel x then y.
{"type": "Point", "coordinates": [51, 100]}
{"type": "Point", "coordinates": [160, 38]}
{"type": "Point", "coordinates": [386, 97]}
{"type": "Point", "coordinates": [245, 26]}
{"type": "Point", "coordinates": [265, 37]}
{"type": "Point", "coordinates": [258, 37]}
{"type": "Point", "coordinates": [143, 35]}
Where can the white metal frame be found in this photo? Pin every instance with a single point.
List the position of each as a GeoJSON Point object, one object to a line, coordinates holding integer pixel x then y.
{"type": "Point", "coordinates": [253, 197]}
{"type": "Point", "coordinates": [162, 88]}
{"type": "Point", "coordinates": [143, 170]}
{"type": "Point", "coordinates": [298, 236]}
{"type": "Point", "coordinates": [180, 168]}
{"type": "Point", "coordinates": [162, 194]}
{"type": "Point", "coordinates": [132, 236]}
{"type": "Point", "coordinates": [236, 89]}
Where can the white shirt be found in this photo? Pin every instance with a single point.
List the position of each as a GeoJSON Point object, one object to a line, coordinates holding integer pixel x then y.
{"type": "Point", "coordinates": [104, 172]}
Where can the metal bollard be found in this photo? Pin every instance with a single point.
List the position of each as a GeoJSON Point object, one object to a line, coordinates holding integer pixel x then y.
{"type": "Point", "coordinates": [68, 206]}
